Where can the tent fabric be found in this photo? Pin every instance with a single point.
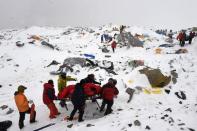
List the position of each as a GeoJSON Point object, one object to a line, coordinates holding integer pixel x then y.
{"type": "Point", "coordinates": [155, 77]}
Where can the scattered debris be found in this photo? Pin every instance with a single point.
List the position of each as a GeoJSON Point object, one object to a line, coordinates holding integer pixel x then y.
{"type": "Point", "coordinates": [130, 91]}
{"type": "Point", "coordinates": [4, 107]}
{"type": "Point", "coordinates": [69, 126]}
{"type": "Point", "coordinates": [147, 127]}
{"type": "Point", "coordinates": [167, 91]}
{"type": "Point", "coordinates": [89, 125]}
{"type": "Point", "coordinates": [137, 123]}
{"type": "Point", "coordinates": [181, 51]}
{"type": "Point", "coordinates": [9, 111]}
{"type": "Point", "coordinates": [19, 44]}
{"type": "Point", "coordinates": [54, 62]}
{"type": "Point", "coordinates": [130, 125]}
{"type": "Point", "coordinates": [47, 44]}
{"type": "Point", "coordinates": [181, 95]}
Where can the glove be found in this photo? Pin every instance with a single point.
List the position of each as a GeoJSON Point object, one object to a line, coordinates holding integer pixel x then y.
{"type": "Point", "coordinates": [30, 102]}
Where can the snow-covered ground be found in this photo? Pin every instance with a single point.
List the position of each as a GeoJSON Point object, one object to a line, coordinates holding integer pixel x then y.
{"type": "Point", "coordinates": [27, 66]}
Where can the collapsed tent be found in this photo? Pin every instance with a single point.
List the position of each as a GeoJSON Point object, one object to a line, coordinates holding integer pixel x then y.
{"type": "Point", "coordinates": [126, 38]}
{"type": "Point", "coordinates": [90, 89]}
{"type": "Point", "coordinates": [155, 77]}
{"type": "Point", "coordinates": [74, 61]}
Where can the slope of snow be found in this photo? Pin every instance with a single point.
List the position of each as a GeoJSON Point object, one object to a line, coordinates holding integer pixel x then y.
{"type": "Point", "coordinates": [28, 67]}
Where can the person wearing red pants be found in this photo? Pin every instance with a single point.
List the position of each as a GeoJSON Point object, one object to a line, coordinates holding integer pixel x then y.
{"type": "Point", "coordinates": [48, 97]}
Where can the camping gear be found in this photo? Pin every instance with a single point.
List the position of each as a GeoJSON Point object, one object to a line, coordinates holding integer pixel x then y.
{"type": "Point", "coordinates": [89, 56]}
{"type": "Point", "coordinates": [155, 77]}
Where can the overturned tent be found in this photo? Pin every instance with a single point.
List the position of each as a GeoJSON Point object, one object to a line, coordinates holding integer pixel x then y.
{"type": "Point", "coordinates": [155, 77]}
{"type": "Point", "coordinates": [74, 61]}
{"type": "Point", "coordinates": [127, 39]}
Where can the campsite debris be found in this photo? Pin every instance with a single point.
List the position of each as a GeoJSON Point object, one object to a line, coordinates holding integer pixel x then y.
{"type": "Point", "coordinates": [137, 123]}
{"type": "Point", "coordinates": [54, 62]}
{"type": "Point", "coordinates": [0, 86]}
{"type": "Point", "coordinates": [47, 44]}
{"type": "Point", "coordinates": [136, 63]}
{"type": "Point", "coordinates": [130, 91]}
{"type": "Point", "coordinates": [130, 125]}
{"type": "Point", "coordinates": [155, 77]}
{"type": "Point", "coordinates": [169, 109]}
{"type": "Point", "coordinates": [70, 125]}
{"type": "Point", "coordinates": [181, 51]}
{"type": "Point", "coordinates": [107, 56]}
{"type": "Point", "coordinates": [105, 50]}
{"type": "Point", "coordinates": [181, 95]}
{"type": "Point", "coordinates": [167, 91]}
{"type": "Point", "coordinates": [89, 125]}
{"type": "Point", "coordinates": [9, 111]}
{"type": "Point", "coordinates": [147, 127]}
{"type": "Point", "coordinates": [9, 59]}
{"type": "Point", "coordinates": [19, 44]}
{"type": "Point", "coordinates": [191, 129]}
{"type": "Point", "coordinates": [174, 76]}
{"type": "Point", "coordinates": [4, 107]}
{"type": "Point", "coordinates": [43, 127]}
{"type": "Point", "coordinates": [166, 45]}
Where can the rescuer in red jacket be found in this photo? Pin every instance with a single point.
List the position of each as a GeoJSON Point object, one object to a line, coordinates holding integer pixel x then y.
{"type": "Point", "coordinates": [108, 92]}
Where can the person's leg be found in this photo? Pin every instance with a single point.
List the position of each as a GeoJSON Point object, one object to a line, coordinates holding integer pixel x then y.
{"type": "Point", "coordinates": [81, 112]}
{"type": "Point", "coordinates": [53, 110]}
{"type": "Point", "coordinates": [73, 113]}
{"type": "Point", "coordinates": [102, 105]}
{"type": "Point", "coordinates": [109, 106]}
{"type": "Point", "coordinates": [21, 119]}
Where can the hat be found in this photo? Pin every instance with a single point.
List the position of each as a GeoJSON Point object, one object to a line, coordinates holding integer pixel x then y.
{"type": "Point", "coordinates": [50, 82]}
{"type": "Point", "coordinates": [21, 88]}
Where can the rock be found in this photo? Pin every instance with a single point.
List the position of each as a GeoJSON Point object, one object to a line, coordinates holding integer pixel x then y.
{"type": "Point", "coordinates": [169, 109]}
{"type": "Point", "coordinates": [181, 95]}
{"type": "Point", "coordinates": [191, 129]}
{"type": "Point", "coordinates": [180, 102]}
{"type": "Point", "coordinates": [89, 125]}
{"type": "Point", "coordinates": [167, 91]}
{"type": "Point", "coordinates": [137, 123]}
{"type": "Point", "coordinates": [17, 65]}
{"type": "Point", "coordinates": [4, 107]}
{"type": "Point", "coordinates": [0, 86]}
{"type": "Point", "coordinates": [9, 59]}
{"type": "Point", "coordinates": [69, 126]}
{"type": "Point", "coordinates": [119, 109]}
{"type": "Point", "coordinates": [9, 111]}
{"type": "Point", "coordinates": [10, 84]}
{"type": "Point", "coordinates": [19, 44]}
{"type": "Point", "coordinates": [130, 125]}
{"type": "Point", "coordinates": [181, 124]}
{"type": "Point", "coordinates": [147, 127]}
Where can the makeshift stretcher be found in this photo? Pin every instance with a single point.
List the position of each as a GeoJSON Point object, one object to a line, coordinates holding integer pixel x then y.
{"type": "Point", "coordinates": [91, 90]}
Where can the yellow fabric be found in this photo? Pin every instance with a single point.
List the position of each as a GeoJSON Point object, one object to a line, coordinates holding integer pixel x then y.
{"type": "Point", "coordinates": [62, 82]}
{"type": "Point", "coordinates": [152, 91]}
{"type": "Point", "coordinates": [21, 102]}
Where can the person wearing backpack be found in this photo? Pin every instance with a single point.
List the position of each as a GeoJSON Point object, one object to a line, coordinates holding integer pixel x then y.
{"type": "Point", "coordinates": [48, 98]}
{"type": "Point", "coordinates": [108, 92]}
{"type": "Point", "coordinates": [78, 101]}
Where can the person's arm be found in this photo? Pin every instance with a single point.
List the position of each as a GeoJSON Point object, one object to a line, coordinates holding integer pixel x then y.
{"type": "Point", "coordinates": [95, 82]}
{"type": "Point", "coordinates": [69, 78]}
{"type": "Point", "coordinates": [116, 91]}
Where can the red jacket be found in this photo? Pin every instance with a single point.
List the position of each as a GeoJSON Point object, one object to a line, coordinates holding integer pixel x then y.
{"type": "Point", "coordinates": [90, 89]}
{"type": "Point", "coordinates": [109, 91]}
{"type": "Point", "coordinates": [113, 44]}
{"type": "Point", "coordinates": [48, 93]}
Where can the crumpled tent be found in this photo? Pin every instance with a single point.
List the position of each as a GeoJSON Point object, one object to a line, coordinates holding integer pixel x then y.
{"type": "Point", "coordinates": [126, 38]}
{"type": "Point", "coordinates": [74, 61]}
{"type": "Point", "coordinates": [155, 77]}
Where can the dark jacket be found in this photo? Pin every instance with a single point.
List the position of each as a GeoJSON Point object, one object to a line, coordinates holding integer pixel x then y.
{"type": "Point", "coordinates": [90, 80]}
{"type": "Point", "coordinates": [109, 91]}
{"type": "Point", "coordinates": [48, 94]}
{"type": "Point", "coordinates": [78, 96]}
